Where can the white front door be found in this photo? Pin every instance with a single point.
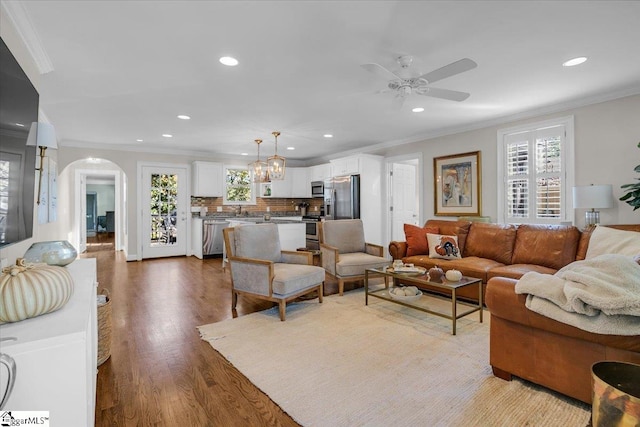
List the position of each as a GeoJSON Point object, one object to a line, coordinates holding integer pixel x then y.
{"type": "Point", "coordinates": [164, 211]}
{"type": "Point", "coordinates": [405, 199]}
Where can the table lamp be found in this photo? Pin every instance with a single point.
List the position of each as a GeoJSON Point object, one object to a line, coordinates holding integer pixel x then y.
{"type": "Point", "coordinates": [593, 197]}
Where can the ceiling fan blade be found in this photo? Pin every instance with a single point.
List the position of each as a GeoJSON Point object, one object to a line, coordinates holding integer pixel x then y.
{"type": "Point", "coordinates": [451, 95]}
{"type": "Point", "coordinates": [452, 69]}
{"type": "Point", "coordinates": [380, 71]}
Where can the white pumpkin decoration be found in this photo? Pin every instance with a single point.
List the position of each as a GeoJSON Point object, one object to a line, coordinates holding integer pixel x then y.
{"type": "Point", "coordinates": [29, 290]}
{"type": "Point", "coordinates": [453, 275]}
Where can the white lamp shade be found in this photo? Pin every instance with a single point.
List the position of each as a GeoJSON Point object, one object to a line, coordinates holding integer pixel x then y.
{"type": "Point", "coordinates": [593, 197]}
{"type": "Point", "coordinates": [42, 135]}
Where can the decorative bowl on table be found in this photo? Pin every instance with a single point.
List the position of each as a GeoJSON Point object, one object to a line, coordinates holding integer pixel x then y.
{"type": "Point", "coordinates": [398, 293]}
{"type": "Point", "coordinates": [56, 252]}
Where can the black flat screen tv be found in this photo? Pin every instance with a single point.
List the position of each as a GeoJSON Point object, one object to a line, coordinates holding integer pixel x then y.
{"type": "Point", "coordinates": [18, 109]}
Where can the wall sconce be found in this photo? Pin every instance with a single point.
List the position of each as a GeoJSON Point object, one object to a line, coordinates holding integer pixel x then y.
{"type": "Point", "coordinates": [593, 197]}
{"type": "Point", "coordinates": [42, 135]}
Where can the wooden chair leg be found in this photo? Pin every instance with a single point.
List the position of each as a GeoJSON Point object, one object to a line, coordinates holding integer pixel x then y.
{"type": "Point", "coordinates": [234, 299]}
{"type": "Point", "coordinates": [320, 290]}
{"type": "Point", "coordinates": [282, 307]}
{"type": "Point", "coordinates": [341, 286]}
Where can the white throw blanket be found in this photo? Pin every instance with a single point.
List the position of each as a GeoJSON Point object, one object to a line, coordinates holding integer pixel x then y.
{"type": "Point", "coordinates": [600, 295]}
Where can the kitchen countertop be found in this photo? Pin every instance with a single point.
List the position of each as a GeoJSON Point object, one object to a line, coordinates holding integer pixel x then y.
{"type": "Point", "coordinates": [254, 219]}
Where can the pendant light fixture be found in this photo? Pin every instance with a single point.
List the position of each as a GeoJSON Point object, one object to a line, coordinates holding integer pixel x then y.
{"type": "Point", "coordinates": [276, 163]}
{"type": "Point", "coordinates": [259, 168]}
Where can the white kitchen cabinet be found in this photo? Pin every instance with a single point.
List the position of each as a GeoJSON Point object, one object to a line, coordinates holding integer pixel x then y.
{"type": "Point", "coordinates": [56, 355]}
{"type": "Point", "coordinates": [292, 236]}
{"type": "Point", "coordinates": [345, 166]}
{"type": "Point", "coordinates": [206, 179]}
{"type": "Point", "coordinates": [295, 184]}
{"type": "Point", "coordinates": [196, 237]}
{"type": "Point", "coordinates": [320, 172]}
{"type": "Point", "coordinates": [301, 182]}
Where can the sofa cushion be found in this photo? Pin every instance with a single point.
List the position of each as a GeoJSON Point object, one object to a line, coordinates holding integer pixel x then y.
{"type": "Point", "coordinates": [258, 241]}
{"type": "Point", "coordinates": [458, 228]}
{"type": "Point", "coordinates": [354, 264]}
{"type": "Point", "coordinates": [516, 271]}
{"type": "Point", "coordinates": [552, 246]}
{"type": "Point", "coordinates": [444, 247]}
{"type": "Point", "coordinates": [493, 241]}
{"type": "Point", "coordinates": [605, 240]}
{"type": "Point", "coordinates": [416, 238]}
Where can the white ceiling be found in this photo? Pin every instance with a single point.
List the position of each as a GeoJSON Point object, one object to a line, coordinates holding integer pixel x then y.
{"type": "Point", "coordinates": [123, 70]}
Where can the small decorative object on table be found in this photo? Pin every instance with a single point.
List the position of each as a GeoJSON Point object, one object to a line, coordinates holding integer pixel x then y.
{"type": "Point", "coordinates": [435, 274]}
{"type": "Point", "coordinates": [56, 252]}
{"type": "Point", "coordinates": [29, 290]}
{"type": "Point", "coordinates": [453, 275]}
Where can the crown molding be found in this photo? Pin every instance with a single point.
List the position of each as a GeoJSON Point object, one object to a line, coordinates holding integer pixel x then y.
{"type": "Point", "coordinates": [23, 25]}
{"type": "Point", "coordinates": [528, 114]}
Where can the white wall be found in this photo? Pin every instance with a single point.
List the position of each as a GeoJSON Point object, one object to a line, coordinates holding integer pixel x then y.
{"type": "Point", "coordinates": [606, 139]}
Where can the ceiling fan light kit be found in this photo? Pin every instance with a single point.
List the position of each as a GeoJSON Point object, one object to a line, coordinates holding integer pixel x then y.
{"type": "Point", "coordinates": [406, 86]}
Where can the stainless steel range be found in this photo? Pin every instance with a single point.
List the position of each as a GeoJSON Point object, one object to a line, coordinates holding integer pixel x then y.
{"type": "Point", "coordinates": [312, 231]}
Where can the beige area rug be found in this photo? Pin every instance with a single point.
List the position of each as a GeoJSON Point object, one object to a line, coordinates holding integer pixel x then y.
{"type": "Point", "coordinates": [341, 363]}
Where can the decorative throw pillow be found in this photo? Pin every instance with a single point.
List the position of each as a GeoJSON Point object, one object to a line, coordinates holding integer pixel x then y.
{"type": "Point", "coordinates": [443, 246]}
{"type": "Point", "coordinates": [416, 238]}
{"type": "Point", "coordinates": [607, 240]}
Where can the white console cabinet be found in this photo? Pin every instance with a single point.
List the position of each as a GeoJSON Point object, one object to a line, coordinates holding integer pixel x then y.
{"type": "Point", "coordinates": [56, 355]}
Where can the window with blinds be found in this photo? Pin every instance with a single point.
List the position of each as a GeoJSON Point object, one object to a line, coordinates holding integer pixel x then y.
{"type": "Point", "coordinates": [534, 187]}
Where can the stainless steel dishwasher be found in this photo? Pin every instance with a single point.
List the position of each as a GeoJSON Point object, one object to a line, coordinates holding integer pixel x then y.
{"type": "Point", "coordinates": [212, 238]}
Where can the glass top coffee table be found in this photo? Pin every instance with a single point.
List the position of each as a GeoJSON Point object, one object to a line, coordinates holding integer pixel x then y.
{"type": "Point", "coordinates": [420, 281]}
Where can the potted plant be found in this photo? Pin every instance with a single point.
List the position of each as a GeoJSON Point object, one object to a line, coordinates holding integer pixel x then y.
{"type": "Point", "coordinates": [632, 191]}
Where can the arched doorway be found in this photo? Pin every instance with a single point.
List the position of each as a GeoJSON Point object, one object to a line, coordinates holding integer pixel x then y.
{"type": "Point", "coordinates": [103, 183]}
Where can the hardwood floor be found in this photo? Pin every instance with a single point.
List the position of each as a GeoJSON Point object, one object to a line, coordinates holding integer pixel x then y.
{"type": "Point", "coordinates": [160, 372]}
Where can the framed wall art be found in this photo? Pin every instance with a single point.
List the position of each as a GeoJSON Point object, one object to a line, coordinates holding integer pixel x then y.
{"type": "Point", "coordinates": [457, 182]}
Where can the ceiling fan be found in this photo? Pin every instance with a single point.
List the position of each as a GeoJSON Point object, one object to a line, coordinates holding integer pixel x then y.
{"type": "Point", "coordinates": [405, 86]}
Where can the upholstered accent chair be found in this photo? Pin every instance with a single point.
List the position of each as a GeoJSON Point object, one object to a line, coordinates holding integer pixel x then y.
{"type": "Point", "coordinates": [261, 270]}
{"type": "Point", "coordinates": [345, 254]}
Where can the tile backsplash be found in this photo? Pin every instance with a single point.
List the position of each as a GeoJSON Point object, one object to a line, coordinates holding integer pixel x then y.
{"type": "Point", "coordinates": [278, 207]}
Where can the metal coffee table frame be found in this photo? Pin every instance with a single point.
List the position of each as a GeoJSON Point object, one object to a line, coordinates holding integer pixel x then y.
{"type": "Point", "coordinates": [420, 281]}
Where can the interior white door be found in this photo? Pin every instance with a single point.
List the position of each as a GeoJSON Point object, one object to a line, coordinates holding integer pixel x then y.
{"type": "Point", "coordinates": [164, 211]}
{"type": "Point", "coordinates": [405, 199]}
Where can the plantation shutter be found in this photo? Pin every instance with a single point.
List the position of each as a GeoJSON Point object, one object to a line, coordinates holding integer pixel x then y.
{"type": "Point", "coordinates": [534, 188]}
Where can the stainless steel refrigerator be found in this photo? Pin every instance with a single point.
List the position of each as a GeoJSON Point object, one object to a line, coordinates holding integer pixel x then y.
{"type": "Point", "coordinates": [342, 197]}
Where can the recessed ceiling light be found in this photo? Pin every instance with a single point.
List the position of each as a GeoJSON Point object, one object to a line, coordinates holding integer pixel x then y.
{"type": "Point", "coordinates": [291, 148]}
{"type": "Point", "coordinates": [418, 110]}
{"type": "Point", "coordinates": [139, 140]}
{"type": "Point", "coordinates": [229, 61]}
{"type": "Point", "coordinates": [328, 135]}
{"type": "Point", "coordinates": [244, 154]}
{"type": "Point", "coordinates": [574, 61]}
{"type": "Point", "coordinates": [167, 135]}
{"type": "Point", "coordinates": [183, 117]}
{"type": "Point", "coordinates": [20, 124]}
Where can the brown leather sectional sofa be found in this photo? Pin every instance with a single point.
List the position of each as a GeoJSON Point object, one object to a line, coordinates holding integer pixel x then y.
{"type": "Point", "coordinates": [522, 342]}
{"type": "Point", "coordinates": [497, 250]}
